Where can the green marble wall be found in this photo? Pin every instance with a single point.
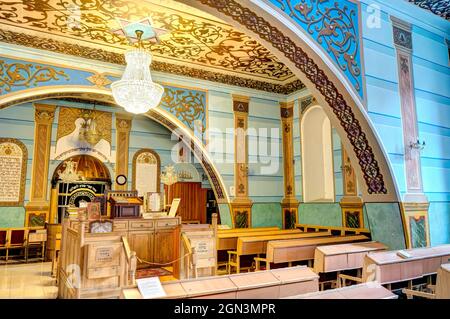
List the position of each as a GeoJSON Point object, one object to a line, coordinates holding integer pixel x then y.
{"type": "Point", "coordinates": [385, 223]}
{"type": "Point", "coordinates": [325, 214]}
{"type": "Point", "coordinates": [12, 217]}
{"type": "Point", "coordinates": [225, 215]}
{"type": "Point", "coordinates": [266, 215]}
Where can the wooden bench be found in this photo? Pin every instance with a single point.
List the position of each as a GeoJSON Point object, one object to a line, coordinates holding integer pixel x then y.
{"type": "Point", "coordinates": [440, 291]}
{"type": "Point", "coordinates": [255, 245]}
{"type": "Point", "coordinates": [247, 230]}
{"type": "Point", "coordinates": [271, 284]}
{"type": "Point", "coordinates": [337, 258]}
{"type": "Point", "coordinates": [387, 267]}
{"type": "Point", "coordinates": [288, 251]}
{"type": "Point", "coordinates": [361, 291]}
{"type": "Point", "coordinates": [228, 241]}
{"type": "Point", "coordinates": [335, 230]}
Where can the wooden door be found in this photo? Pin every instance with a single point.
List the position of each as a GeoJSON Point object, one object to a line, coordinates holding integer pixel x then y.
{"type": "Point", "coordinates": [193, 200]}
{"type": "Point", "coordinates": [142, 242]}
{"type": "Point", "coordinates": [164, 250]}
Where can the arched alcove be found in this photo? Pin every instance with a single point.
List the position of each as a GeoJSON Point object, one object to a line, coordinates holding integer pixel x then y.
{"type": "Point", "coordinates": [317, 156]}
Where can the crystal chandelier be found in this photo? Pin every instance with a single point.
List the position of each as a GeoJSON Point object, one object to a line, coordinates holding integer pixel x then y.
{"type": "Point", "coordinates": [136, 92]}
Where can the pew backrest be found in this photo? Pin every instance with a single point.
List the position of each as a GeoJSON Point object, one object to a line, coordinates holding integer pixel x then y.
{"type": "Point", "coordinates": [303, 249]}
{"type": "Point", "coordinates": [257, 244]}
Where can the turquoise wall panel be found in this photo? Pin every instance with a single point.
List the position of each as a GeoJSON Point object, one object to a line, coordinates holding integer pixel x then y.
{"type": "Point", "coordinates": [315, 17]}
{"type": "Point", "coordinates": [225, 215]}
{"type": "Point", "coordinates": [266, 215]}
{"type": "Point", "coordinates": [385, 223]}
{"type": "Point", "coordinates": [12, 217]}
{"type": "Point", "coordinates": [439, 221]}
{"type": "Point", "coordinates": [325, 214]}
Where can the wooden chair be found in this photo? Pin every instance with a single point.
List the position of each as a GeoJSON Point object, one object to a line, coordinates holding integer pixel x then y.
{"type": "Point", "coordinates": [36, 239]}
{"type": "Point", "coordinates": [17, 240]}
{"type": "Point", "coordinates": [439, 291]}
{"type": "Point", "coordinates": [3, 239]}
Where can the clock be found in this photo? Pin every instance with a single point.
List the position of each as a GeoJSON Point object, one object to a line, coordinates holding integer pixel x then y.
{"type": "Point", "coordinates": [105, 226]}
{"type": "Point", "coordinates": [121, 180]}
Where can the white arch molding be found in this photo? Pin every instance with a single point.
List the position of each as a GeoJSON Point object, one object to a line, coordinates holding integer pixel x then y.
{"type": "Point", "coordinates": [159, 115]}
{"type": "Point", "coordinates": [317, 156]}
{"type": "Point", "coordinates": [275, 31]}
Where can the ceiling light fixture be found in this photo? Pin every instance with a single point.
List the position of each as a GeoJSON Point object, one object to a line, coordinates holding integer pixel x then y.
{"type": "Point", "coordinates": [135, 91]}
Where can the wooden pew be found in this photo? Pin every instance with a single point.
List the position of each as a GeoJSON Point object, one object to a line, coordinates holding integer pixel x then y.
{"type": "Point", "coordinates": [332, 258]}
{"type": "Point", "coordinates": [262, 285]}
{"type": "Point", "coordinates": [361, 291]}
{"type": "Point", "coordinates": [335, 230]}
{"type": "Point", "coordinates": [440, 291]}
{"type": "Point", "coordinates": [387, 267]}
{"type": "Point", "coordinates": [287, 251]}
{"type": "Point", "coordinates": [247, 230]}
{"type": "Point", "coordinates": [228, 241]}
{"type": "Point", "coordinates": [255, 245]}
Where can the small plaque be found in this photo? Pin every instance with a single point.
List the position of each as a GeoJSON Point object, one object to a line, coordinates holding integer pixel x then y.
{"type": "Point", "coordinates": [104, 254]}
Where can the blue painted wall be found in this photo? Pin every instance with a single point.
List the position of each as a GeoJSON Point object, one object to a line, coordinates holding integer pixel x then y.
{"type": "Point", "coordinates": [18, 122]}
{"type": "Point", "coordinates": [432, 92]}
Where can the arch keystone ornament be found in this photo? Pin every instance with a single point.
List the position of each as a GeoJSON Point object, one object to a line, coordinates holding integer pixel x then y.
{"type": "Point", "coordinates": [275, 32]}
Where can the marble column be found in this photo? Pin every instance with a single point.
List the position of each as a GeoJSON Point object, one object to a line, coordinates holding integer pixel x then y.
{"type": "Point", "coordinates": [123, 128]}
{"type": "Point", "coordinates": [289, 203]}
{"type": "Point", "coordinates": [415, 203]}
{"type": "Point", "coordinates": [43, 120]}
{"type": "Point", "coordinates": [241, 205]}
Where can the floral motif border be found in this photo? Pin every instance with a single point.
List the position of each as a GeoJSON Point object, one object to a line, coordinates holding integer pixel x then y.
{"type": "Point", "coordinates": [248, 19]}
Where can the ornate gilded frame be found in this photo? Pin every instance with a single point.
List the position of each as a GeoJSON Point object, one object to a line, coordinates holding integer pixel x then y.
{"type": "Point", "coordinates": [158, 169]}
{"type": "Point", "coordinates": [23, 170]}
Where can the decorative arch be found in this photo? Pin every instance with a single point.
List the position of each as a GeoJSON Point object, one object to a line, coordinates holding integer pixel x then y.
{"type": "Point", "coordinates": [317, 156]}
{"type": "Point", "coordinates": [88, 166]}
{"type": "Point", "coordinates": [161, 116]}
{"type": "Point", "coordinates": [277, 31]}
{"type": "Point", "coordinates": [11, 147]}
{"type": "Point", "coordinates": [158, 167]}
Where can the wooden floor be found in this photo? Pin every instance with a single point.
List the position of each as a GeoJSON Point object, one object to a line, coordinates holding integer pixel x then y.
{"type": "Point", "coordinates": [27, 281]}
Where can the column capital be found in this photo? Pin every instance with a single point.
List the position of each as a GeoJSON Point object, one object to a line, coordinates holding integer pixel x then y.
{"type": "Point", "coordinates": [44, 113]}
{"type": "Point", "coordinates": [287, 110]}
{"type": "Point", "coordinates": [123, 122]}
{"type": "Point", "coordinates": [241, 103]}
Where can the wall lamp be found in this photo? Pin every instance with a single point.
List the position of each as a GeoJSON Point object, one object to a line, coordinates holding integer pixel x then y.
{"type": "Point", "coordinates": [417, 145]}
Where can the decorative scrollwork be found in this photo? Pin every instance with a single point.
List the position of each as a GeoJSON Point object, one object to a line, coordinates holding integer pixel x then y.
{"type": "Point", "coordinates": [333, 24]}
{"type": "Point", "coordinates": [367, 161]}
{"type": "Point", "coordinates": [188, 106]}
{"type": "Point", "coordinates": [440, 8]}
{"type": "Point", "coordinates": [192, 38]}
{"type": "Point", "coordinates": [25, 75]}
{"type": "Point", "coordinates": [159, 66]}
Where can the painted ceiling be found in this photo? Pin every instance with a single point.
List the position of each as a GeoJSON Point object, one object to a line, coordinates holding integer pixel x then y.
{"type": "Point", "coordinates": [197, 44]}
{"type": "Point", "coordinates": [438, 7]}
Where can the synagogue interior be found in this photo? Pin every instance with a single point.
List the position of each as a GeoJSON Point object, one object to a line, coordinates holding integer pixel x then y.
{"type": "Point", "coordinates": [264, 149]}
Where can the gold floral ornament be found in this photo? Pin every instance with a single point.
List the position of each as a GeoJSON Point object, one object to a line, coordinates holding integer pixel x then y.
{"type": "Point", "coordinates": [19, 74]}
{"type": "Point", "coordinates": [99, 80]}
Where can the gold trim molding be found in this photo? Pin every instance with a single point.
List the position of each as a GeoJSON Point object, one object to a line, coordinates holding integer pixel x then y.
{"type": "Point", "coordinates": [97, 54]}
